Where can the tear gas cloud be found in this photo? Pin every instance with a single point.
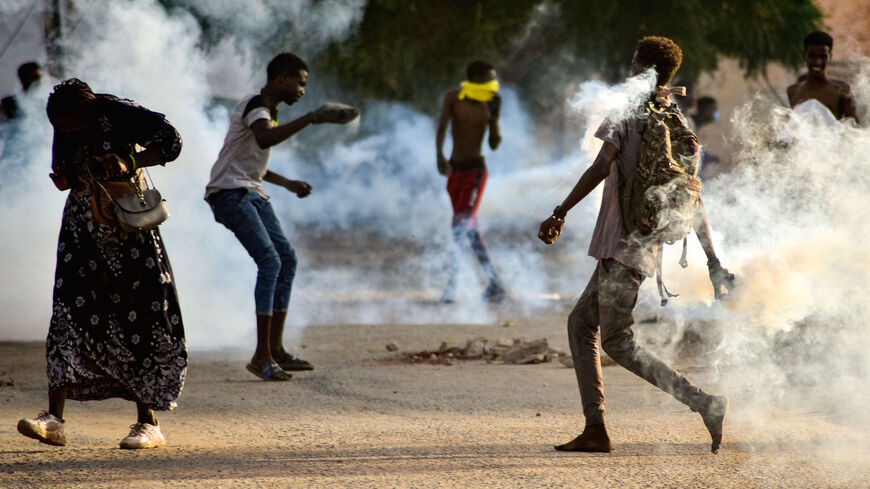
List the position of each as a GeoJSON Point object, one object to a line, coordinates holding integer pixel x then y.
{"type": "Point", "coordinates": [381, 183]}
{"type": "Point", "coordinates": [789, 221]}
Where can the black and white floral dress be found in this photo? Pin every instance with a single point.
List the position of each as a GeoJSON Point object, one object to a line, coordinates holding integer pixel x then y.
{"type": "Point", "coordinates": [116, 327]}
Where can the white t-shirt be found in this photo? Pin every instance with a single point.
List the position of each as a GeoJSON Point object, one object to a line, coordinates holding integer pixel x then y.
{"type": "Point", "coordinates": [242, 163]}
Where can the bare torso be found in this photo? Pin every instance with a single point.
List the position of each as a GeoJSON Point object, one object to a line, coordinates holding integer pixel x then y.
{"type": "Point", "coordinates": [833, 94]}
{"type": "Point", "coordinates": [468, 123]}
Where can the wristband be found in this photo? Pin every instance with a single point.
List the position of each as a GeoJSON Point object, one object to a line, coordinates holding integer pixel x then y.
{"type": "Point", "coordinates": [132, 160]}
{"type": "Point", "coordinates": [558, 214]}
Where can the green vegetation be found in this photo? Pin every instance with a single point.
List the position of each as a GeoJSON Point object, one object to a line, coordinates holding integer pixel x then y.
{"type": "Point", "coordinates": [412, 50]}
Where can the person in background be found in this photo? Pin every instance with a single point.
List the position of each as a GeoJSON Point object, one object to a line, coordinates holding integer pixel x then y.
{"type": "Point", "coordinates": [469, 111]}
{"type": "Point", "coordinates": [836, 95]}
{"type": "Point", "coordinates": [12, 147]}
{"type": "Point", "coordinates": [707, 112]}
{"type": "Point", "coordinates": [29, 74]}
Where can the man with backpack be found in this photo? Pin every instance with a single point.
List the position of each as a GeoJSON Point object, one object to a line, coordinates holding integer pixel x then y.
{"type": "Point", "coordinates": [648, 163]}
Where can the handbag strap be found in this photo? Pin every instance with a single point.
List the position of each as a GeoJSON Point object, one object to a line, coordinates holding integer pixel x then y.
{"type": "Point", "coordinates": [149, 179]}
{"type": "Point", "coordinates": [105, 190]}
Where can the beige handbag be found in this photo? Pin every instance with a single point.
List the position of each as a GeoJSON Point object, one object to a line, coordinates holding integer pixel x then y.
{"type": "Point", "coordinates": [136, 207]}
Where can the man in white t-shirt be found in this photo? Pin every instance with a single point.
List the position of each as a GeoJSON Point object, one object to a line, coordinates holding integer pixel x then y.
{"type": "Point", "coordinates": [236, 196]}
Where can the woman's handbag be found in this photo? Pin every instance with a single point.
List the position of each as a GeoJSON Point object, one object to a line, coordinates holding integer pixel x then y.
{"type": "Point", "coordinates": [131, 204]}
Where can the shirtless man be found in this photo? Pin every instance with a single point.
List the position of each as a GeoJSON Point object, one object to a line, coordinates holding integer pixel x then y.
{"type": "Point", "coordinates": [836, 95]}
{"type": "Point", "coordinates": [469, 111]}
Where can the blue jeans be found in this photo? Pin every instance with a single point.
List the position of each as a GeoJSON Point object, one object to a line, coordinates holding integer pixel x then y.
{"type": "Point", "coordinates": [251, 218]}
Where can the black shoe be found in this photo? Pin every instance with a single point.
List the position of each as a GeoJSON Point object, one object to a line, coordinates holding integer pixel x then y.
{"type": "Point", "coordinates": [293, 363]}
{"type": "Point", "coordinates": [449, 295]}
{"type": "Point", "coordinates": [494, 294]}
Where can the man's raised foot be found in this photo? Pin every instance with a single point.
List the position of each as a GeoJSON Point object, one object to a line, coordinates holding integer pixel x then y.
{"type": "Point", "coordinates": [713, 414]}
{"type": "Point", "coordinates": [593, 439]}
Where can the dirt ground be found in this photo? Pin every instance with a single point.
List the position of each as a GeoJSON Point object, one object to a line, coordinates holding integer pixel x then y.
{"type": "Point", "coordinates": [355, 422]}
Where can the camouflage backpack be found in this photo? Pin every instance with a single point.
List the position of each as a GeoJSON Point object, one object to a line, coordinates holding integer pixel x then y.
{"type": "Point", "coordinates": [659, 199]}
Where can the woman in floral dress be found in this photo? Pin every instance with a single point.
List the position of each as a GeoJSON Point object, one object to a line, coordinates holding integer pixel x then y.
{"type": "Point", "coordinates": [116, 327]}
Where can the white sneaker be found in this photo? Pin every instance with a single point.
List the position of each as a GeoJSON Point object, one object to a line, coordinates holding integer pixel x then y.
{"type": "Point", "coordinates": [143, 435]}
{"type": "Point", "coordinates": [47, 428]}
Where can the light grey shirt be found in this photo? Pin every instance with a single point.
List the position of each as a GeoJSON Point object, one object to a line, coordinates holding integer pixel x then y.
{"type": "Point", "coordinates": [242, 163]}
{"type": "Point", "coordinates": [610, 238]}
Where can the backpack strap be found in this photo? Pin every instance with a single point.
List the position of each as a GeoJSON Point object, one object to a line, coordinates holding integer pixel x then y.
{"type": "Point", "coordinates": [683, 261]}
{"type": "Point", "coordinates": [664, 293]}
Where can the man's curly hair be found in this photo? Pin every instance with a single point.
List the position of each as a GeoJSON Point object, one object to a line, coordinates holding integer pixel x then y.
{"type": "Point", "coordinates": [661, 53]}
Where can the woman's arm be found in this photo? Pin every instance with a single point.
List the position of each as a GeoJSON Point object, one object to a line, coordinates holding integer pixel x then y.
{"type": "Point", "coordinates": [144, 127]}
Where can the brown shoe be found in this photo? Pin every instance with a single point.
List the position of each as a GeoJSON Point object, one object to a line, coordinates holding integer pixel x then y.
{"type": "Point", "coordinates": [593, 439]}
{"type": "Point", "coordinates": [713, 414]}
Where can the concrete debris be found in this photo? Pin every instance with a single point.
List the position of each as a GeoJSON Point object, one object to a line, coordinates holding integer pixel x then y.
{"type": "Point", "coordinates": [392, 346]}
{"type": "Point", "coordinates": [517, 351]}
{"type": "Point", "coordinates": [537, 351]}
{"type": "Point", "coordinates": [476, 348]}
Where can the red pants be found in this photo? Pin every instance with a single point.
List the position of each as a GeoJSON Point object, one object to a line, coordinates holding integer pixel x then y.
{"type": "Point", "coordinates": [465, 188]}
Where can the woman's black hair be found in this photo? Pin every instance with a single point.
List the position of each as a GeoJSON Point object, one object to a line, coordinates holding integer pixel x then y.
{"type": "Point", "coordinates": [68, 97]}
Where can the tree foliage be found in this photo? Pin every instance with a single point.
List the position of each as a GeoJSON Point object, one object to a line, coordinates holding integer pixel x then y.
{"type": "Point", "coordinates": [412, 50]}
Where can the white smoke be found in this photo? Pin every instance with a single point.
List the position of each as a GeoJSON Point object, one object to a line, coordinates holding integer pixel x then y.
{"type": "Point", "coordinates": [10, 6]}
{"type": "Point", "coordinates": [309, 25]}
{"type": "Point", "coordinates": [790, 220]}
{"type": "Point", "coordinates": [379, 189]}
{"type": "Point", "coordinates": [595, 100]}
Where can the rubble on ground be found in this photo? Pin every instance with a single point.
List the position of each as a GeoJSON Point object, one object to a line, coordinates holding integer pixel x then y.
{"type": "Point", "coordinates": [514, 351]}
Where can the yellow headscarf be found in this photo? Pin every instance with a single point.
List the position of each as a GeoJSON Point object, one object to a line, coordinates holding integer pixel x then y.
{"type": "Point", "coordinates": [482, 92]}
